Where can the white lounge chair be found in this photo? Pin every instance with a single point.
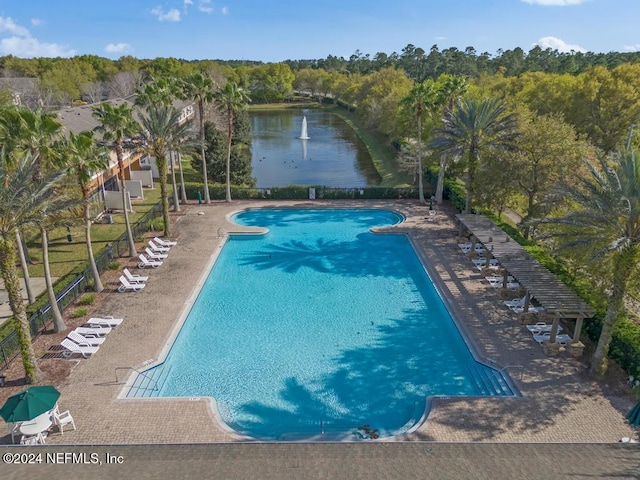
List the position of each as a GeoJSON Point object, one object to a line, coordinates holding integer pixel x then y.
{"type": "Point", "coordinates": [158, 248]}
{"type": "Point", "coordinates": [72, 347]}
{"type": "Point", "coordinates": [87, 341]}
{"type": "Point", "coordinates": [134, 278]}
{"type": "Point", "coordinates": [145, 262]}
{"type": "Point", "coordinates": [126, 285]}
{"type": "Point", "coordinates": [516, 302]}
{"type": "Point", "coordinates": [164, 243]}
{"type": "Point", "coordinates": [107, 321]}
{"type": "Point", "coordinates": [541, 327]}
{"type": "Point", "coordinates": [562, 338]}
{"type": "Point", "coordinates": [532, 309]}
{"type": "Point", "coordinates": [155, 256]}
{"type": "Point", "coordinates": [94, 332]}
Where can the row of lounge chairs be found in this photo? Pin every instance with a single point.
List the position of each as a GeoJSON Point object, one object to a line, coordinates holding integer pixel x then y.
{"type": "Point", "coordinates": [86, 340]}
{"type": "Point", "coordinates": [156, 252]}
{"type": "Point", "coordinates": [153, 256]}
{"type": "Point", "coordinates": [541, 331]}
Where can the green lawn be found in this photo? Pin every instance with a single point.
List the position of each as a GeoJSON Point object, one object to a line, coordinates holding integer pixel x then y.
{"type": "Point", "coordinates": [65, 256]}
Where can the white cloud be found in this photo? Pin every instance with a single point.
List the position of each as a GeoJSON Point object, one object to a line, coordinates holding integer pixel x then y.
{"type": "Point", "coordinates": [36, 22]}
{"type": "Point", "coordinates": [172, 15]}
{"type": "Point", "coordinates": [8, 25]}
{"type": "Point", "coordinates": [26, 47]}
{"type": "Point", "coordinates": [557, 44]}
{"type": "Point", "coordinates": [554, 3]}
{"type": "Point", "coordinates": [225, 10]}
{"type": "Point", "coordinates": [118, 48]}
{"type": "Point", "coordinates": [21, 44]}
{"type": "Point", "coordinates": [632, 48]}
{"type": "Point", "coordinates": [205, 6]}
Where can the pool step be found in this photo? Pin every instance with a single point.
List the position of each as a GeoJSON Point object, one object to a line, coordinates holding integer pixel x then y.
{"type": "Point", "coordinates": [148, 384]}
{"type": "Point", "coordinates": [489, 381]}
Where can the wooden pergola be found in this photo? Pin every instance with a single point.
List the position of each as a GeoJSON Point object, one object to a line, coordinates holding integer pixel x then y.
{"type": "Point", "coordinates": [558, 300]}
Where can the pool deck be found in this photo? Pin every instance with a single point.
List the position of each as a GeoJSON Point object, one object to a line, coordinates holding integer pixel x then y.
{"type": "Point", "coordinates": [559, 402]}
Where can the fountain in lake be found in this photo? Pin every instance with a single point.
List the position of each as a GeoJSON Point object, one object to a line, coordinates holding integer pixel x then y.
{"type": "Point", "coordinates": [303, 133]}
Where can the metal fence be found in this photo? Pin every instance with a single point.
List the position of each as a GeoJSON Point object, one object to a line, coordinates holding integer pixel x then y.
{"type": "Point", "coordinates": [39, 321]}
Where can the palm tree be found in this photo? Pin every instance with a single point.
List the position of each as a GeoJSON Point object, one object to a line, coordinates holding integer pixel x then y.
{"type": "Point", "coordinates": [422, 96]}
{"type": "Point", "coordinates": [451, 89]}
{"type": "Point", "coordinates": [83, 159]}
{"type": "Point", "coordinates": [200, 88]}
{"type": "Point", "coordinates": [116, 125]}
{"type": "Point", "coordinates": [230, 99]}
{"type": "Point", "coordinates": [53, 214]}
{"type": "Point", "coordinates": [35, 132]}
{"type": "Point", "coordinates": [471, 128]}
{"type": "Point", "coordinates": [163, 91]}
{"type": "Point", "coordinates": [606, 222]}
{"type": "Point", "coordinates": [162, 133]}
{"type": "Point", "coordinates": [21, 202]}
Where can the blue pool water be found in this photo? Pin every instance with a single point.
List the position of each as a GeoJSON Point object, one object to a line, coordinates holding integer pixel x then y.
{"type": "Point", "coordinates": [318, 326]}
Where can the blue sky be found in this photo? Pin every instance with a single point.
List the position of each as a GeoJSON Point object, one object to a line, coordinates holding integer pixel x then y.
{"type": "Point", "coordinates": [276, 30]}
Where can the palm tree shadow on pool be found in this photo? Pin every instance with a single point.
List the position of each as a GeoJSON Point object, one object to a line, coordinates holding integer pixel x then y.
{"type": "Point", "coordinates": [389, 378]}
{"type": "Point", "coordinates": [368, 254]}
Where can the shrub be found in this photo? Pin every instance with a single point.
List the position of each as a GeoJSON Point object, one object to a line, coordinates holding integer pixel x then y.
{"type": "Point", "coordinates": [79, 312]}
{"type": "Point", "coordinates": [113, 266]}
{"type": "Point", "coordinates": [155, 225]}
{"type": "Point", "coordinates": [87, 299]}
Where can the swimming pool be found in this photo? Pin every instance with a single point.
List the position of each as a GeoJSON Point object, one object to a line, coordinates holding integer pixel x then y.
{"type": "Point", "coordinates": [317, 328]}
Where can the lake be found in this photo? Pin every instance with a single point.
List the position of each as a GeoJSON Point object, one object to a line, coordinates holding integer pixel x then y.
{"type": "Point", "coordinates": [332, 156]}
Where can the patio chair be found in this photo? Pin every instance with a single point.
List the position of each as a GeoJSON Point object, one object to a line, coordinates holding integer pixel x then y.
{"type": "Point", "coordinates": [532, 309]}
{"type": "Point", "coordinates": [155, 256]}
{"type": "Point", "coordinates": [107, 321]}
{"type": "Point", "coordinates": [93, 331]}
{"type": "Point", "coordinates": [127, 286]}
{"type": "Point", "coordinates": [158, 248]}
{"type": "Point", "coordinates": [134, 278]}
{"type": "Point", "coordinates": [33, 439]}
{"type": "Point", "coordinates": [164, 243]}
{"type": "Point", "coordinates": [62, 419]}
{"type": "Point", "coordinates": [516, 302]}
{"type": "Point", "coordinates": [86, 341]}
{"type": "Point", "coordinates": [562, 339]}
{"type": "Point", "coordinates": [72, 348]}
{"type": "Point", "coordinates": [145, 262]}
{"type": "Point", "coordinates": [540, 328]}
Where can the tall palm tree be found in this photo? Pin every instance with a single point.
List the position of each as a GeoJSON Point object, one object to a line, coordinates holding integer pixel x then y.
{"type": "Point", "coordinates": [21, 202]}
{"type": "Point", "coordinates": [451, 89]}
{"type": "Point", "coordinates": [421, 97]}
{"type": "Point", "coordinates": [116, 125]}
{"type": "Point", "coordinates": [470, 129]}
{"type": "Point", "coordinates": [230, 99]}
{"type": "Point", "coordinates": [11, 138]}
{"type": "Point", "coordinates": [35, 132]}
{"type": "Point", "coordinates": [53, 214]}
{"type": "Point", "coordinates": [200, 88]}
{"type": "Point", "coordinates": [162, 133]}
{"type": "Point", "coordinates": [83, 158]}
{"type": "Point", "coordinates": [606, 222]}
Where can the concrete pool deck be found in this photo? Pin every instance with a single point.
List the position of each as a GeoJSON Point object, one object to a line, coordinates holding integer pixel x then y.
{"type": "Point", "coordinates": [559, 403]}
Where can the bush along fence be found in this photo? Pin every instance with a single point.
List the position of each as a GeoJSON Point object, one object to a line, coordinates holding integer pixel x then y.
{"type": "Point", "coordinates": [68, 289]}
{"type": "Point", "coordinates": [300, 192]}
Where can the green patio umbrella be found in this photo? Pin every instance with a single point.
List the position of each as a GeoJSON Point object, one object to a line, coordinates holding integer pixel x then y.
{"type": "Point", "coordinates": [633, 417]}
{"type": "Point", "coordinates": [29, 403]}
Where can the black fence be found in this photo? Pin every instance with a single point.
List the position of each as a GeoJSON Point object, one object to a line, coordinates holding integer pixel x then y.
{"type": "Point", "coordinates": [40, 320]}
{"type": "Point", "coordinates": [300, 192]}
